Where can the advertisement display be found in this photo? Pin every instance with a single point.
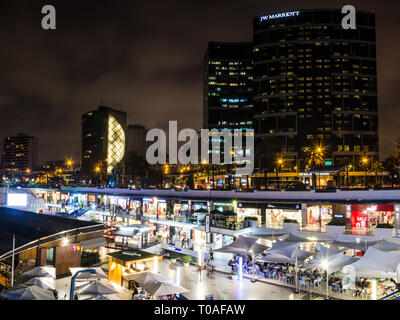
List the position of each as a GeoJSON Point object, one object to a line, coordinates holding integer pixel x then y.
{"type": "Point", "coordinates": [17, 199]}
{"type": "Point", "coordinates": [364, 216]}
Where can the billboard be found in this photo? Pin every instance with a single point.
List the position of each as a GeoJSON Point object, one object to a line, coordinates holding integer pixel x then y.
{"type": "Point", "coordinates": [17, 200]}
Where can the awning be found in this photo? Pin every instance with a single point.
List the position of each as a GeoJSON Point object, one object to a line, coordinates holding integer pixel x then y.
{"type": "Point", "coordinates": [93, 243]}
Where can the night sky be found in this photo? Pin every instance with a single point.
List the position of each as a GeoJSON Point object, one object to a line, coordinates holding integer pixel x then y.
{"type": "Point", "coordinates": [144, 58]}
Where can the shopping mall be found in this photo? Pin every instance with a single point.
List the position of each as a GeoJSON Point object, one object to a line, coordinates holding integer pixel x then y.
{"type": "Point", "coordinates": [138, 218]}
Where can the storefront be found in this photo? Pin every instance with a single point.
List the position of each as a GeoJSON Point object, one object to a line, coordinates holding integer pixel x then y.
{"type": "Point", "coordinates": [250, 211]}
{"type": "Point", "coordinates": [134, 236]}
{"type": "Point", "coordinates": [276, 214]}
{"type": "Point", "coordinates": [318, 216]}
{"type": "Point", "coordinates": [199, 239]}
{"type": "Point", "coordinates": [367, 216]}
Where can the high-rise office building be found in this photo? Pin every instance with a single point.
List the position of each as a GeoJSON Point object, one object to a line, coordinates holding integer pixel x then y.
{"type": "Point", "coordinates": [19, 153]}
{"type": "Point", "coordinates": [315, 84]}
{"type": "Point", "coordinates": [228, 86]}
{"type": "Point", "coordinates": [103, 141]}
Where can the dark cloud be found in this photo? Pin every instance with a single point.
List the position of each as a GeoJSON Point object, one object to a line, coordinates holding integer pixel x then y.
{"type": "Point", "coordinates": [142, 57]}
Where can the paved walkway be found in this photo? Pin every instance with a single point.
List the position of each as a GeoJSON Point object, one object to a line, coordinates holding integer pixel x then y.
{"type": "Point", "coordinates": [221, 286]}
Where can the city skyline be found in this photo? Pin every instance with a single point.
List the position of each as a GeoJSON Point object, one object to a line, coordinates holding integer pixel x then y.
{"type": "Point", "coordinates": [145, 65]}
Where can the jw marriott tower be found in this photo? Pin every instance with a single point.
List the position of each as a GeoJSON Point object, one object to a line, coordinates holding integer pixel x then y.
{"type": "Point", "coordinates": [314, 81]}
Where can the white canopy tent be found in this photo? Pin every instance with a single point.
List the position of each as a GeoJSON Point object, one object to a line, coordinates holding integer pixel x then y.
{"type": "Point", "coordinates": [333, 261]}
{"type": "Point", "coordinates": [375, 264]}
{"type": "Point", "coordinates": [285, 252]}
{"type": "Point", "coordinates": [387, 246]}
{"type": "Point", "coordinates": [42, 282]}
{"type": "Point", "coordinates": [86, 276]}
{"type": "Point", "coordinates": [28, 293]}
{"type": "Point", "coordinates": [42, 271]}
{"type": "Point", "coordinates": [162, 288]}
{"type": "Point", "coordinates": [244, 245]}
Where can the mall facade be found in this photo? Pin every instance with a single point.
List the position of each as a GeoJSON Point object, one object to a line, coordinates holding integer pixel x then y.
{"type": "Point", "coordinates": [138, 218]}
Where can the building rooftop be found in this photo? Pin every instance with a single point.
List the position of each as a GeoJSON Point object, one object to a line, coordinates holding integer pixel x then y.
{"type": "Point", "coordinates": [28, 227]}
{"type": "Point", "coordinates": [131, 255]}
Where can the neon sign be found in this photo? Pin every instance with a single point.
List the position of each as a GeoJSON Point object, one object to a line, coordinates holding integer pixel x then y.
{"type": "Point", "coordinates": [279, 15]}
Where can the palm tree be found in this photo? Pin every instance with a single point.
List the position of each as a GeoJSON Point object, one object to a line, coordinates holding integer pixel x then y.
{"type": "Point", "coordinates": [376, 167]}
{"type": "Point", "coordinates": [315, 155]}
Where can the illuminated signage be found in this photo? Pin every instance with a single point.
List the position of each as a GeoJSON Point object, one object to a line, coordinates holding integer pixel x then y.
{"type": "Point", "coordinates": [339, 216]}
{"type": "Point", "coordinates": [279, 15]}
{"type": "Point", "coordinates": [17, 199]}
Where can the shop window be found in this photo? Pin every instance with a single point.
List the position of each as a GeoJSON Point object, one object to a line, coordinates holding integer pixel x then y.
{"type": "Point", "coordinates": [50, 254]}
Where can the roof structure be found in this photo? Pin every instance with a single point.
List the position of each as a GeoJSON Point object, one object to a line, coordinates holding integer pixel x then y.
{"type": "Point", "coordinates": [131, 255]}
{"type": "Point", "coordinates": [375, 264]}
{"type": "Point", "coordinates": [28, 227]}
{"type": "Point", "coordinates": [340, 196]}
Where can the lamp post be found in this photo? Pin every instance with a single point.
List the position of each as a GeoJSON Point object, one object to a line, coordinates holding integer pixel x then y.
{"type": "Point", "coordinates": [325, 266]}
{"type": "Point", "coordinates": [279, 163]}
{"type": "Point", "coordinates": [365, 162]}
{"type": "Point", "coordinates": [254, 265]}
{"type": "Point", "coordinates": [296, 269]}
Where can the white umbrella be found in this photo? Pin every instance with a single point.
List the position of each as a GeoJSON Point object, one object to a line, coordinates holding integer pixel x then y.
{"type": "Point", "coordinates": [28, 293]}
{"type": "Point", "coordinates": [146, 277]}
{"type": "Point", "coordinates": [44, 271]}
{"type": "Point", "coordinates": [42, 282]}
{"type": "Point", "coordinates": [96, 287]}
{"type": "Point", "coordinates": [101, 297]}
{"type": "Point", "coordinates": [85, 276]}
{"type": "Point", "coordinates": [157, 289]}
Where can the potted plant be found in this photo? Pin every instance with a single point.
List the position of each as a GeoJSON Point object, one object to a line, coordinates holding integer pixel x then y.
{"type": "Point", "coordinates": [173, 256]}
{"type": "Point", "coordinates": [187, 260]}
{"type": "Point", "coordinates": [251, 221]}
{"type": "Point", "coordinates": [234, 275]}
{"type": "Point", "coordinates": [159, 237]}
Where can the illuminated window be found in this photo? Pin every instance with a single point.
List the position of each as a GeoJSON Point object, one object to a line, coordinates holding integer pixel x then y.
{"type": "Point", "coordinates": [116, 143]}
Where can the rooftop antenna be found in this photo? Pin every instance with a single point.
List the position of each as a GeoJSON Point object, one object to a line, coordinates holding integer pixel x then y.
{"type": "Point", "coordinates": [101, 102]}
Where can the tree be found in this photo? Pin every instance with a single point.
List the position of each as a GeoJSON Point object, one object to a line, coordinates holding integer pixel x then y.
{"type": "Point", "coordinates": [315, 155]}
{"type": "Point", "coordinates": [376, 167]}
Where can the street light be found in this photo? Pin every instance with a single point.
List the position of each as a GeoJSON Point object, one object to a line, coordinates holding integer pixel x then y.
{"type": "Point", "coordinates": [365, 162]}
{"type": "Point", "coordinates": [254, 264]}
{"type": "Point", "coordinates": [325, 266]}
{"type": "Point", "coordinates": [279, 163]}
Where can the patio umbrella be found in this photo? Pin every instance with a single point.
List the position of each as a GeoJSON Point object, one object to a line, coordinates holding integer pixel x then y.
{"type": "Point", "coordinates": [294, 238]}
{"type": "Point", "coordinates": [44, 271]}
{"type": "Point", "coordinates": [285, 252]}
{"type": "Point", "coordinates": [96, 287]}
{"type": "Point", "coordinates": [100, 297]}
{"type": "Point", "coordinates": [362, 246]}
{"type": "Point", "coordinates": [157, 289]}
{"type": "Point", "coordinates": [243, 245]}
{"type": "Point", "coordinates": [28, 293]}
{"type": "Point", "coordinates": [42, 282]}
{"type": "Point", "coordinates": [267, 234]}
{"type": "Point", "coordinates": [85, 276]}
{"type": "Point", "coordinates": [103, 297]}
{"type": "Point", "coordinates": [146, 277]}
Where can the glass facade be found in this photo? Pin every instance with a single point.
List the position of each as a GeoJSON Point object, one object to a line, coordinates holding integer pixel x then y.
{"type": "Point", "coordinates": [116, 143]}
{"type": "Point", "coordinates": [315, 82]}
